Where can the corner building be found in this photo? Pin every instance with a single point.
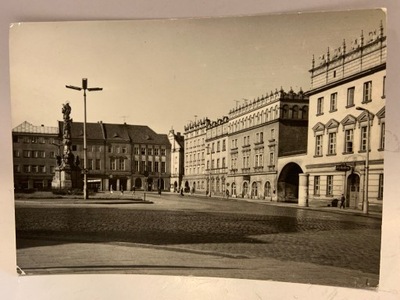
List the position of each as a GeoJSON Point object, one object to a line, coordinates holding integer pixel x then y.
{"type": "Point", "coordinates": [347, 91]}
{"type": "Point", "coordinates": [261, 132]}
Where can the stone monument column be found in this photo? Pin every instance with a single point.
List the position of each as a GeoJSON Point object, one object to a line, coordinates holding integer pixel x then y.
{"type": "Point", "coordinates": [65, 162]}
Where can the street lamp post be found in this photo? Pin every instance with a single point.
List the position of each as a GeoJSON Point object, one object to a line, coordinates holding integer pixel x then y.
{"type": "Point", "coordinates": [365, 202]}
{"type": "Point", "coordinates": [84, 88]}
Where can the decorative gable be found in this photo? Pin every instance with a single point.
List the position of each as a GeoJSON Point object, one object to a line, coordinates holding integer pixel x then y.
{"type": "Point", "coordinates": [381, 115]}
{"type": "Point", "coordinates": [363, 117]}
{"type": "Point", "coordinates": [332, 126]}
{"type": "Point", "coordinates": [319, 127]}
{"type": "Point", "coordinates": [349, 122]}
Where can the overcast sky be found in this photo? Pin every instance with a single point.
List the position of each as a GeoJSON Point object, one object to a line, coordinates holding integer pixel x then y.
{"type": "Point", "coordinates": [163, 73]}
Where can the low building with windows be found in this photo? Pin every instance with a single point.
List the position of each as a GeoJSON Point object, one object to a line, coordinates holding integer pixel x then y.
{"type": "Point", "coordinates": [347, 116]}
{"type": "Point", "coordinates": [34, 156]}
{"type": "Point", "coordinates": [260, 133]}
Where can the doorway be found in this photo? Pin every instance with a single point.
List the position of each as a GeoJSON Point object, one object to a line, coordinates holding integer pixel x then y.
{"type": "Point", "coordinates": [353, 191]}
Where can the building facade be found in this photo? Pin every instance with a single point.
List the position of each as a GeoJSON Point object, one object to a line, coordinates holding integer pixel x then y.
{"type": "Point", "coordinates": [34, 155]}
{"type": "Point", "coordinates": [259, 134]}
{"type": "Point", "coordinates": [122, 156]}
{"type": "Point", "coordinates": [195, 135]}
{"type": "Point", "coordinates": [217, 157]}
{"type": "Point", "coordinates": [347, 117]}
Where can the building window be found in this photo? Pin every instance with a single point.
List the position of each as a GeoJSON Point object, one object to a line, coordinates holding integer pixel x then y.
{"type": "Point", "coordinates": [285, 111]}
{"type": "Point", "coordinates": [163, 167]}
{"type": "Point", "coordinates": [223, 145]}
{"type": "Point", "coordinates": [17, 169]}
{"type": "Point", "coordinates": [98, 164]}
{"type": "Point", "coordinates": [348, 147]}
{"type": "Point", "coordinates": [124, 150]}
{"type": "Point", "coordinates": [295, 112]}
{"type": "Point", "coordinates": [363, 143]}
{"type": "Point", "coordinates": [42, 169]}
{"type": "Point", "coordinates": [142, 166]}
{"type": "Point", "coordinates": [136, 150]}
{"type": "Point", "coordinates": [382, 140]}
{"type": "Point", "coordinates": [217, 163]}
{"type": "Point", "coordinates": [333, 103]}
{"type": "Point", "coordinates": [156, 164]}
{"type": "Point", "coordinates": [52, 154]}
{"type": "Point", "coordinates": [150, 166]}
{"type": "Point", "coordinates": [156, 151]}
{"type": "Point", "coordinates": [272, 134]}
{"type": "Point", "coordinates": [318, 145]}
{"type": "Point", "coordinates": [162, 152]}
{"type": "Point", "coordinates": [245, 188]}
{"type": "Point", "coordinates": [136, 166]}
{"type": "Point", "coordinates": [271, 159]}
{"type": "Point", "coordinates": [320, 106]}
{"type": "Point", "coordinates": [16, 153]}
{"type": "Point", "coordinates": [367, 92]}
{"type": "Point", "coordinates": [110, 149]}
{"type": "Point", "coordinates": [27, 168]}
{"type": "Point", "coordinates": [149, 151]}
{"type": "Point", "coordinates": [329, 185]}
{"type": "Point", "coordinates": [254, 189]}
{"type": "Point", "coordinates": [27, 153]}
{"type": "Point", "coordinates": [122, 164]}
{"type": "Point", "coordinates": [218, 146]}
{"type": "Point", "coordinates": [380, 187]}
{"type": "Point", "coordinates": [332, 143]}
{"type": "Point", "coordinates": [316, 185]}
{"type": "Point", "coordinates": [384, 87]}
{"type": "Point", "coordinates": [90, 164]}
{"type": "Point", "coordinates": [350, 97]}
{"type": "Point", "coordinates": [223, 162]}
{"type": "Point", "coordinates": [113, 164]}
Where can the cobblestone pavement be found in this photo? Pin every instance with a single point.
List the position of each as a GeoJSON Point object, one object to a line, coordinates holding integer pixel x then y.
{"type": "Point", "coordinates": [205, 227]}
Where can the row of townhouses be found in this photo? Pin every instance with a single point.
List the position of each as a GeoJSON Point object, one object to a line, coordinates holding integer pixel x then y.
{"type": "Point", "coordinates": [285, 145]}
{"type": "Point", "coordinates": [281, 146]}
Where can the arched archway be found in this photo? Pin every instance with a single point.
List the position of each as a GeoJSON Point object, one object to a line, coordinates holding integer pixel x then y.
{"type": "Point", "coordinates": [288, 183]}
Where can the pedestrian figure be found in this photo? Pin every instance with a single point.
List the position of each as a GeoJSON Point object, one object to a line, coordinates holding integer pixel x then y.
{"type": "Point", "coordinates": [181, 191]}
{"type": "Point", "coordinates": [122, 190]}
{"type": "Point", "coordinates": [342, 201]}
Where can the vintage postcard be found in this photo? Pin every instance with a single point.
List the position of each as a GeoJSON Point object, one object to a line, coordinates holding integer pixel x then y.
{"type": "Point", "coordinates": [240, 147]}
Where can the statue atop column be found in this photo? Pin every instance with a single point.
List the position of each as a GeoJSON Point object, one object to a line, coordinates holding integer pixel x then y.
{"type": "Point", "coordinates": [67, 156]}
{"type": "Point", "coordinates": [67, 172]}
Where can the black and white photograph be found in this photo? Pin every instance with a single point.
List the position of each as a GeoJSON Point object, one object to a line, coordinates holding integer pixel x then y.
{"type": "Point", "coordinates": [246, 147]}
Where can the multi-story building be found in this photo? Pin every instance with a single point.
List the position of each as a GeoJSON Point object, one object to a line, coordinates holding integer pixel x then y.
{"type": "Point", "coordinates": [123, 156]}
{"type": "Point", "coordinates": [261, 132]}
{"type": "Point", "coordinates": [347, 116]}
{"type": "Point", "coordinates": [217, 156]}
{"type": "Point", "coordinates": [177, 159]}
{"type": "Point", "coordinates": [195, 135]}
{"type": "Point", "coordinates": [34, 151]}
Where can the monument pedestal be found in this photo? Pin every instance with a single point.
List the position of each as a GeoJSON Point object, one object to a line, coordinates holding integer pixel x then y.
{"type": "Point", "coordinates": [62, 179]}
